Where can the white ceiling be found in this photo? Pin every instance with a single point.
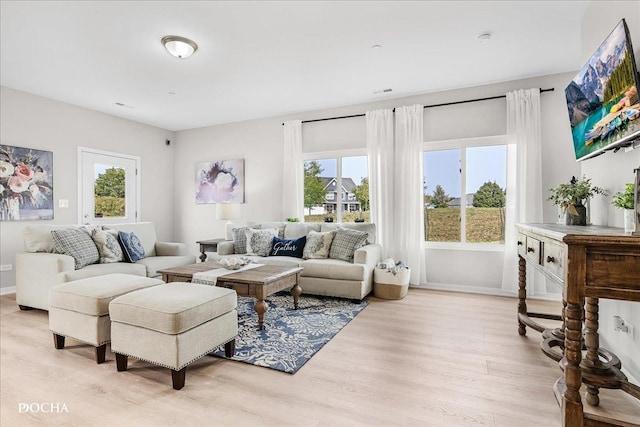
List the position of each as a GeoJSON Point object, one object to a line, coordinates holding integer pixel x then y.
{"type": "Point", "coordinates": [260, 59]}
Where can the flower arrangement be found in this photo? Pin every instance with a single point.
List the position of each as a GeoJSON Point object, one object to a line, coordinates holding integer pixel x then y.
{"type": "Point", "coordinates": [25, 181]}
{"type": "Point", "coordinates": [624, 199]}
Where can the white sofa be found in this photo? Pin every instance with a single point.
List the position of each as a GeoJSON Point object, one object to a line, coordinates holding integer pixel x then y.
{"type": "Point", "coordinates": [328, 277]}
{"type": "Point", "coordinates": [38, 268]}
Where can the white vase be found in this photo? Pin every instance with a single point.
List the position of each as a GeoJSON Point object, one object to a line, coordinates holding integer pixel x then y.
{"type": "Point", "coordinates": [629, 221]}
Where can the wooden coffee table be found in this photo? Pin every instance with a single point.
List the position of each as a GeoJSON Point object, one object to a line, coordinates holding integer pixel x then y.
{"type": "Point", "coordinates": [185, 273]}
{"type": "Point", "coordinates": [259, 282]}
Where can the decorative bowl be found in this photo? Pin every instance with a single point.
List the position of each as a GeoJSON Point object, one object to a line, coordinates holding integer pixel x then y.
{"type": "Point", "coordinates": [234, 263]}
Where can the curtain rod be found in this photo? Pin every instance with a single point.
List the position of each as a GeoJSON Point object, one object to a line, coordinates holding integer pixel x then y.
{"type": "Point", "coordinates": [426, 106]}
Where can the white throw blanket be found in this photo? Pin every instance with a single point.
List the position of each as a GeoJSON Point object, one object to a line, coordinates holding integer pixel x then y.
{"type": "Point", "coordinates": [210, 277]}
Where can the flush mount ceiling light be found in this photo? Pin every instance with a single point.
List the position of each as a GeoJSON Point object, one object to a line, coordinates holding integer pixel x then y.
{"type": "Point", "coordinates": [484, 37]}
{"type": "Point", "coordinates": [180, 47]}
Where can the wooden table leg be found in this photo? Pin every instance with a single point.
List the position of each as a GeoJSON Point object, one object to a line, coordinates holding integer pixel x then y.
{"type": "Point", "coordinates": [261, 308]}
{"type": "Point", "coordinates": [592, 342]}
{"type": "Point", "coordinates": [296, 291]}
{"type": "Point", "coordinates": [522, 293]}
{"type": "Point", "coordinates": [572, 410]}
{"type": "Point", "coordinates": [203, 255]}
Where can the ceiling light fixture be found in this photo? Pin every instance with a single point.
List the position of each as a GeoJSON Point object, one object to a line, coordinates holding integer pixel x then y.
{"type": "Point", "coordinates": [180, 47]}
{"type": "Point", "coordinates": [376, 46]}
{"type": "Point", "coordinates": [484, 37]}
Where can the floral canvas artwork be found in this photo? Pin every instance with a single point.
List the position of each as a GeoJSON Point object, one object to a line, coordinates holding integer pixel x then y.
{"type": "Point", "coordinates": [220, 181]}
{"type": "Point", "coordinates": [26, 183]}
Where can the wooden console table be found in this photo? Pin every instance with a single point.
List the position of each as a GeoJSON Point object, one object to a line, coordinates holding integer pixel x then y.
{"type": "Point", "coordinates": [589, 263]}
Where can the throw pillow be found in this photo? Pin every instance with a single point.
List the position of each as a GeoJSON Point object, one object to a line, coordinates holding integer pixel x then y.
{"type": "Point", "coordinates": [284, 247]}
{"type": "Point", "coordinates": [240, 239]}
{"type": "Point", "coordinates": [107, 245]}
{"type": "Point", "coordinates": [131, 246]}
{"type": "Point", "coordinates": [318, 244]}
{"type": "Point", "coordinates": [259, 241]}
{"type": "Point", "coordinates": [76, 243]}
{"type": "Point", "coordinates": [346, 242]}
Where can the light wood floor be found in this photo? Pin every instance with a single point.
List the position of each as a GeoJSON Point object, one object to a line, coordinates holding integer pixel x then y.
{"type": "Point", "coordinates": [431, 359]}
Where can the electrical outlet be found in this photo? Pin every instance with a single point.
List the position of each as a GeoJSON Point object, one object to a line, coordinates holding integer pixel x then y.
{"type": "Point", "coordinates": [621, 325]}
{"type": "Point", "coordinates": [6, 267]}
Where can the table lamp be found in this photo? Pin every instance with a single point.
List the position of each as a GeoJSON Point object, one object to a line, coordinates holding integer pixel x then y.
{"type": "Point", "coordinates": [227, 212]}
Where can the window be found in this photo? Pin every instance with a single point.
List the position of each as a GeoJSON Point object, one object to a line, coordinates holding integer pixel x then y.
{"type": "Point", "coordinates": [327, 179]}
{"type": "Point", "coordinates": [464, 190]}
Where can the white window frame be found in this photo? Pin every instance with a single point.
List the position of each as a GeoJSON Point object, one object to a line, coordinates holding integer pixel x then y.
{"type": "Point", "coordinates": [463, 144]}
{"type": "Point", "coordinates": [338, 155]}
{"type": "Point", "coordinates": [82, 178]}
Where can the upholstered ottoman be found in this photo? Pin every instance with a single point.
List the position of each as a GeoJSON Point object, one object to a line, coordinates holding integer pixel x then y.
{"type": "Point", "coordinates": [80, 309]}
{"type": "Point", "coordinates": [173, 325]}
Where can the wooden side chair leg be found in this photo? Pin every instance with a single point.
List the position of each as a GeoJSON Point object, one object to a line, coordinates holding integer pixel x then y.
{"type": "Point", "coordinates": [121, 362]}
{"type": "Point", "coordinates": [178, 377]}
{"type": "Point", "coordinates": [58, 341]}
{"type": "Point", "coordinates": [101, 352]}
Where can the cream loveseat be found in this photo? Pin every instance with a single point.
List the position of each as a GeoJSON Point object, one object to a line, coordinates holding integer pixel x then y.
{"type": "Point", "coordinates": [38, 268]}
{"type": "Point", "coordinates": [328, 277]}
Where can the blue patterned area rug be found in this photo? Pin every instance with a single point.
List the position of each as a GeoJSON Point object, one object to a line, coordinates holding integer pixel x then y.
{"type": "Point", "coordinates": [290, 337]}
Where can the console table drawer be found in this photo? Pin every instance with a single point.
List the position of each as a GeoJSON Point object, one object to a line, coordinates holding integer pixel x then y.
{"type": "Point", "coordinates": [553, 259]}
{"type": "Point", "coordinates": [534, 247]}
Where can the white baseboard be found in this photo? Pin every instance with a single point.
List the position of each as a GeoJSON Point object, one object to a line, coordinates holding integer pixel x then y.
{"type": "Point", "coordinates": [8, 290]}
{"type": "Point", "coordinates": [483, 291]}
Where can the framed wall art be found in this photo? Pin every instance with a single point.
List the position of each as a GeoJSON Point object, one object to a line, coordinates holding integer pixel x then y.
{"type": "Point", "coordinates": [26, 183]}
{"type": "Point", "coordinates": [220, 181]}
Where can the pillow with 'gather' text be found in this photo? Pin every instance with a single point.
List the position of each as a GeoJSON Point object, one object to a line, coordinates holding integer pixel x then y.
{"type": "Point", "coordinates": [288, 247]}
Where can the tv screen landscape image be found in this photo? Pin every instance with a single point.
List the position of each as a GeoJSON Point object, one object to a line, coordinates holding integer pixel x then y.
{"type": "Point", "coordinates": [602, 99]}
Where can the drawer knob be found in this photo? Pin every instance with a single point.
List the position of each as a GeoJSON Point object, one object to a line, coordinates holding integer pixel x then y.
{"type": "Point", "coordinates": [551, 259]}
{"type": "Point", "coordinates": [530, 250]}
{"type": "Point", "coordinates": [519, 243]}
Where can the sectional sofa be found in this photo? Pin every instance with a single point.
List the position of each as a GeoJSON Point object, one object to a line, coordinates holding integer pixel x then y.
{"type": "Point", "coordinates": [328, 277]}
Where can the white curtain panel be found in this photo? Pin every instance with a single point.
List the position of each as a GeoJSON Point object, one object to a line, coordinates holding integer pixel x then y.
{"type": "Point", "coordinates": [293, 177]}
{"type": "Point", "coordinates": [408, 206]}
{"type": "Point", "coordinates": [524, 178]}
{"type": "Point", "coordinates": [380, 154]}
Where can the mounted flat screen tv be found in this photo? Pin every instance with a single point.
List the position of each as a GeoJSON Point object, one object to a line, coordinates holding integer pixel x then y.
{"type": "Point", "coordinates": [603, 98]}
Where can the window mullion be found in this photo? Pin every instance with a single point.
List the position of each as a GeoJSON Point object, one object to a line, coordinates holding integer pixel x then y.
{"type": "Point", "coordinates": [463, 195]}
{"type": "Point", "coordinates": [339, 189]}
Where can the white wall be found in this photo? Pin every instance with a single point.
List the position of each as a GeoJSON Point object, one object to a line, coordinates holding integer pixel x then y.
{"type": "Point", "coordinates": [612, 171]}
{"type": "Point", "coordinates": [36, 122]}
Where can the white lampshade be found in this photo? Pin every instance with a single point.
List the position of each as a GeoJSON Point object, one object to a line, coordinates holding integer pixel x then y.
{"type": "Point", "coordinates": [180, 47]}
{"type": "Point", "coordinates": [227, 211]}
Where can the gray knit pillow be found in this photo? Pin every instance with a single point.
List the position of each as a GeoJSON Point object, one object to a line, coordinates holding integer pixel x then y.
{"type": "Point", "coordinates": [239, 240]}
{"type": "Point", "coordinates": [346, 242]}
{"type": "Point", "coordinates": [76, 243]}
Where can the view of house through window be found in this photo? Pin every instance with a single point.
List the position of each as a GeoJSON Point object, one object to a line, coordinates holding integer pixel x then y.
{"type": "Point", "coordinates": [109, 191]}
{"type": "Point", "coordinates": [336, 190]}
{"type": "Point", "coordinates": [464, 194]}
